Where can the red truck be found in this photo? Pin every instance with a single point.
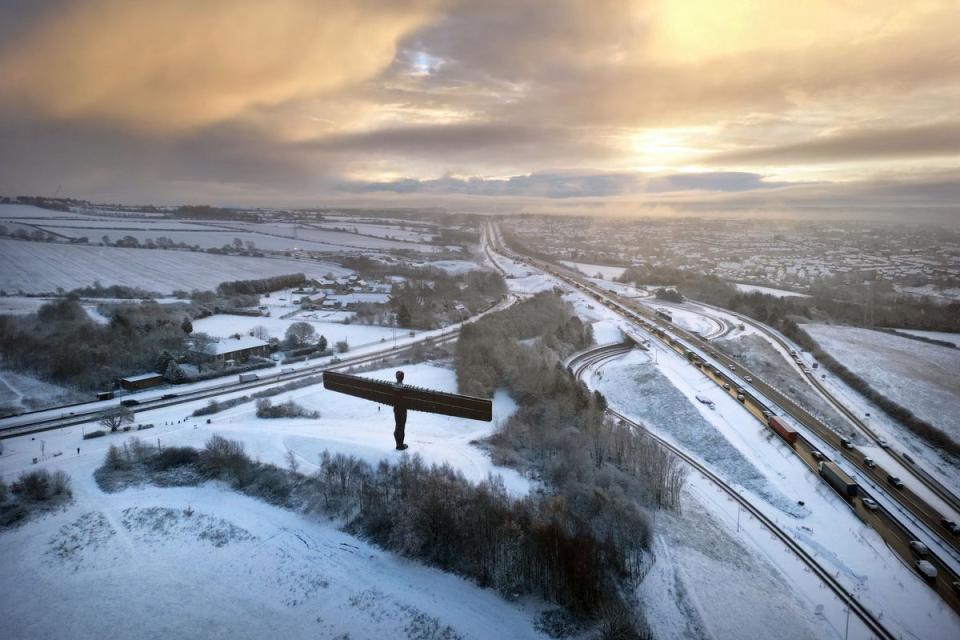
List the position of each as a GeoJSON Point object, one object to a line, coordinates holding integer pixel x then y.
{"type": "Point", "coordinates": [782, 429]}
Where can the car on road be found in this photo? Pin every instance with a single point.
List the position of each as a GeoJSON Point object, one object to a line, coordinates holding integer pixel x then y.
{"type": "Point", "coordinates": [895, 481]}
{"type": "Point", "coordinates": [919, 548]}
{"type": "Point", "coordinates": [129, 403]}
{"type": "Point", "coordinates": [881, 441]}
{"type": "Point", "coordinates": [748, 379]}
{"type": "Point", "coordinates": [817, 455]}
{"type": "Point", "coordinates": [956, 586]}
{"type": "Point", "coordinates": [870, 463]}
{"type": "Point", "coordinates": [927, 570]}
{"type": "Point", "coordinates": [846, 443]}
{"type": "Point", "coordinates": [726, 386]}
{"type": "Point", "coordinates": [950, 526]}
{"type": "Point", "coordinates": [168, 396]}
{"type": "Point", "coordinates": [870, 504]}
{"type": "Point", "coordinates": [907, 457]}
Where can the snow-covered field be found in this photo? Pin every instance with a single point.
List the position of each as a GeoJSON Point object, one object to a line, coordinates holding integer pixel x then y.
{"type": "Point", "coordinates": [409, 234]}
{"type": "Point", "coordinates": [596, 270]}
{"type": "Point", "coordinates": [919, 376]}
{"type": "Point", "coordinates": [223, 325]}
{"type": "Point", "coordinates": [38, 267]}
{"type": "Point", "coordinates": [943, 336]}
{"type": "Point", "coordinates": [779, 293]}
{"type": "Point", "coordinates": [200, 562]}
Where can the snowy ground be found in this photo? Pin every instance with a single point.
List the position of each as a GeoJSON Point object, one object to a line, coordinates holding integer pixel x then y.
{"type": "Point", "coordinates": [919, 376]}
{"type": "Point", "coordinates": [596, 270]}
{"type": "Point", "coordinates": [21, 392]}
{"type": "Point", "coordinates": [223, 325]}
{"type": "Point", "coordinates": [714, 580]}
{"type": "Point", "coordinates": [237, 567]}
{"type": "Point", "coordinates": [779, 293]}
{"type": "Point", "coordinates": [38, 267]}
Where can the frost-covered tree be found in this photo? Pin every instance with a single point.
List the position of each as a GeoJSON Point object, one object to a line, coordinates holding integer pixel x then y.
{"type": "Point", "coordinates": [116, 417]}
{"type": "Point", "coordinates": [299, 334]}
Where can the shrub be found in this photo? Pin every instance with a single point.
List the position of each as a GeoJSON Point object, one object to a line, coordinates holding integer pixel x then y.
{"type": "Point", "coordinates": [222, 457]}
{"type": "Point", "coordinates": [3, 491]}
{"type": "Point", "coordinates": [60, 483]}
{"type": "Point", "coordinates": [174, 457]}
{"type": "Point", "coordinates": [289, 409]}
{"type": "Point", "coordinates": [343, 346]}
{"type": "Point", "coordinates": [33, 485]}
{"type": "Point", "coordinates": [94, 434]}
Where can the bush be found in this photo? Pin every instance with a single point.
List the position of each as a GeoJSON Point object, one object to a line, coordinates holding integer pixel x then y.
{"type": "Point", "coordinates": [222, 458]}
{"type": "Point", "coordinates": [174, 457]}
{"type": "Point", "coordinates": [289, 409]}
{"type": "Point", "coordinates": [3, 491]}
{"type": "Point", "coordinates": [33, 485]}
{"type": "Point", "coordinates": [343, 346]}
{"type": "Point", "coordinates": [94, 434]}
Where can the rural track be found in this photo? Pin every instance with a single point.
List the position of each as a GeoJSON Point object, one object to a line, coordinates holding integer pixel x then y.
{"type": "Point", "coordinates": [584, 360]}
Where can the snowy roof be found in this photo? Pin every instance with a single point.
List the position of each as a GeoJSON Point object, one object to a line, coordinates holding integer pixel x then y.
{"type": "Point", "coordinates": [141, 376]}
{"type": "Point", "coordinates": [232, 345]}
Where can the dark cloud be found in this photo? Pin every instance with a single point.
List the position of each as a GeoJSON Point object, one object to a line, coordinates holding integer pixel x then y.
{"type": "Point", "coordinates": [570, 184]}
{"type": "Point", "coordinates": [937, 139]}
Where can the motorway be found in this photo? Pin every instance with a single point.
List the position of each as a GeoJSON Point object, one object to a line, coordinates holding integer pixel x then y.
{"type": "Point", "coordinates": [582, 362]}
{"type": "Point", "coordinates": [889, 525]}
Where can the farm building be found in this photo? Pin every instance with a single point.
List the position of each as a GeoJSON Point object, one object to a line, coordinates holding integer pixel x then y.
{"type": "Point", "coordinates": [237, 348]}
{"type": "Point", "coordinates": [142, 381]}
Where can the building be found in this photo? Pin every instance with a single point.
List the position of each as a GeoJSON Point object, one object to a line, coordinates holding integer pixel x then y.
{"type": "Point", "coordinates": [238, 349]}
{"type": "Point", "coordinates": [142, 381]}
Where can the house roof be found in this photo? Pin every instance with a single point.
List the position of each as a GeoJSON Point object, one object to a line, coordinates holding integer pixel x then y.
{"type": "Point", "coordinates": [232, 345]}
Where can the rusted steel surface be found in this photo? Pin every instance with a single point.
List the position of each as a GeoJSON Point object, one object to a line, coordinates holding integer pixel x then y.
{"type": "Point", "coordinates": [413, 398]}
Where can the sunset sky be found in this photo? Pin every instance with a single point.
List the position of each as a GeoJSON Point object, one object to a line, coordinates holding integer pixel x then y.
{"type": "Point", "coordinates": [621, 107]}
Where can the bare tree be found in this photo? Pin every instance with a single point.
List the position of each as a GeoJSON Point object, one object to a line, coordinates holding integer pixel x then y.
{"type": "Point", "coordinates": [260, 332]}
{"type": "Point", "coordinates": [116, 417]}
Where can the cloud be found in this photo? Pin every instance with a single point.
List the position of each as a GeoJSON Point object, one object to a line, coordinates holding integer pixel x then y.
{"type": "Point", "coordinates": [177, 64]}
{"type": "Point", "coordinates": [937, 139]}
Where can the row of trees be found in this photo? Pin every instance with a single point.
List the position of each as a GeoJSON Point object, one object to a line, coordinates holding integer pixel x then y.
{"type": "Point", "coordinates": [605, 474]}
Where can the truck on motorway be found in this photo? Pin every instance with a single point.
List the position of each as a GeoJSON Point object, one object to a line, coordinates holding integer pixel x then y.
{"type": "Point", "coordinates": [927, 570]}
{"type": "Point", "coordinates": [782, 429]}
{"type": "Point", "coordinates": [248, 377]}
{"type": "Point", "coordinates": [839, 480]}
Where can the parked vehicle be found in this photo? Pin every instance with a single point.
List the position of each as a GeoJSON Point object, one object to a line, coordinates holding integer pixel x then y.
{"type": "Point", "coordinates": [168, 396]}
{"type": "Point", "coordinates": [248, 377]}
{"type": "Point", "coordinates": [927, 570]}
{"type": "Point", "coordinates": [895, 481]}
{"type": "Point", "coordinates": [839, 480]}
{"type": "Point", "coordinates": [105, 395]}
{"type": "Point", "coordinates": [870, 463]}
{"type": "Point", "coordinates": [130, 402]}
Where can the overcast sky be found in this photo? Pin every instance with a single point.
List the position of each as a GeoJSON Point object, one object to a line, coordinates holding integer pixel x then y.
{"type": "Point", "coordinates": [614, 106]}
